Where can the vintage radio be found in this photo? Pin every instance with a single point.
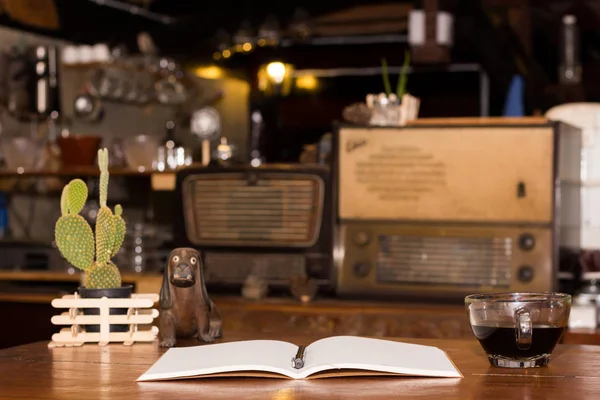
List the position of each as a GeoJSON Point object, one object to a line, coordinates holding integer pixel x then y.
{"type": "Point", "coordinates": [450, 208]}
{"type": "Point", "coordinates": [274, 221]}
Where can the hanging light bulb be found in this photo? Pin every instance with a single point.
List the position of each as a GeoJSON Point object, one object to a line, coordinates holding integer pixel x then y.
{"type": "Point", "coordinates": [276, 71]}
{"type": "Point", "coordinates": [275, 78]}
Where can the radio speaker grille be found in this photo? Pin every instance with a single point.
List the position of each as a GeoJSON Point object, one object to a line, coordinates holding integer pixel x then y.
{"type": "Point", "coordinates": [253, 209]}
{"type": "Point", "coordinates": [454, 261]}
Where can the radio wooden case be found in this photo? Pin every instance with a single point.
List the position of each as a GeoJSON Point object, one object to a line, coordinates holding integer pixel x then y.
{"type": "Point", "coordinates": [272, 221]}
{"type": "Point", "coordinates": [452, 208]}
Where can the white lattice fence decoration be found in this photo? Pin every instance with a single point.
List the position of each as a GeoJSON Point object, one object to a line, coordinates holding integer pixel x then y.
{"type": "Point", "coordinates": [139, 312]}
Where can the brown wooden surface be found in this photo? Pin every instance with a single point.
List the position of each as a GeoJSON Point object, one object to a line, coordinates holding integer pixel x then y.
{"type": "Point", "coordinates": [285, 316]}
{"type": "Point", "coordinates": [92, 372]}
{"type": "Point", "coordinates": [481, 121]}
{"type": "Point", "coordinates": [344, 317]}
{"type": "Point", "coordinates": [467, 174]}
{"type": "Point", "coordinates": [582, 336]}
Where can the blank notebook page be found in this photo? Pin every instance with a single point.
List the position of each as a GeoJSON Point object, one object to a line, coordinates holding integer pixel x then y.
{"type": "Point", "coordinates": [276, 356]}
{"type": "Point", "coordinates": [381, 355]}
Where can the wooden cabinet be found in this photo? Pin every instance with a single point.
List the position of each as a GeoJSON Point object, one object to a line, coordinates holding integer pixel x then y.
{"type": "Point", "coordinates": [17, 330]}
{"type": "Point", "coordinates": [281, 316]}
{"type": "Point", "coordinates": [340, 317]}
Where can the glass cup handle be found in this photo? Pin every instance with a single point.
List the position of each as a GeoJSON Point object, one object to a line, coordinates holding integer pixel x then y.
{"type": "Point", "coordinates": [524, 329]}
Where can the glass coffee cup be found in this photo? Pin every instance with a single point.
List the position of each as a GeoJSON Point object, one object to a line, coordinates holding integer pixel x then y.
{"type": "Point", "coordinates": [518, 330]}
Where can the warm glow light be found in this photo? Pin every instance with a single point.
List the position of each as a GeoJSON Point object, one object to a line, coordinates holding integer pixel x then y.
{"type": "Point", "coordinates": [307, 82]}
{"type": "Point", "coordinates": [275, 78]}
{"type": "Point", "coordinates": [247, 46]}
{"type": "Point", "coordinates": [217, 55]}
{"type": "Point", "coordinates": [262, 42]}
{"type": "Point", "coordinates": [263, 79]}
{"type": "Point", "coordinates": [210, 72]}
{"type": "Point", "coordinates": [226, 53]}
{"type": "Point", "coordinates": [284, 394]}
{"type": "Point", "coordinates": [276, 71]}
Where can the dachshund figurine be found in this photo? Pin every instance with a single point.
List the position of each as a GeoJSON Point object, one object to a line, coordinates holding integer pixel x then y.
{"type": "Point", "coordinates": [185, 309]}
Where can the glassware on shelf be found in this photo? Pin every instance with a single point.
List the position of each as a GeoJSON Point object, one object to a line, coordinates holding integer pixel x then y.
{"type": "Point", "coordinates": [141, 252]}
{"type": "Point", "coordinates": [171, 154]}
{"type": "Point", "coordinates": [141, 152]}
{"type": "Point", "coordinates": [20, 153]}
{"type": "Point", "coordinates": [224, 151]}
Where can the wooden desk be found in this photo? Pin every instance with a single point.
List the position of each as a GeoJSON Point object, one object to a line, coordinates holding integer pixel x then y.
{"type": "Point", "coordinates": [90, 372]}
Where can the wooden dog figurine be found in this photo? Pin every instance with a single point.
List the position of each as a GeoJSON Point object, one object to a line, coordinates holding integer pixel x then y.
{"type": "Point", "coordinates": [185, 309]}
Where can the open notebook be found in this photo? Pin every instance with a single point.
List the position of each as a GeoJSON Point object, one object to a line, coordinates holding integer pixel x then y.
{"type": "Point", "coordinates": [333, 356]}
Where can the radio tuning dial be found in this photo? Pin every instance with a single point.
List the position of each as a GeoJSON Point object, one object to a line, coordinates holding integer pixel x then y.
{"type": "Point", "coordinates": [525, 273]}
{"type": "Point", "coordinates": [361, 269]}
{"type": "Point", "coordinates": [361, 238]}
{"type": "Point", "coordinates": [526, 241]}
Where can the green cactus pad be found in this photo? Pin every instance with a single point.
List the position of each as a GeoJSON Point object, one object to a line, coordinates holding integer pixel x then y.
{"type": "Point", "coordinates": [77, 195]}
{"type": "Point", "coordinates": [103, 165]}
{"type": "Point", "coordinates": [103, 276]}
{"type": "Point", "coordinates": [75, 240]}
{"type": "Point", "coordinates": [120, 230]}
{"type": "Point", "coordinates": [64, 200]}
{"type": "Point", "coordinates": [105, 235]}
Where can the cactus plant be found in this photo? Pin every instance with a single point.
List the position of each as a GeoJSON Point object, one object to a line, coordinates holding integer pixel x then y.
{"type": "Point", "coordinates": [74, 236]}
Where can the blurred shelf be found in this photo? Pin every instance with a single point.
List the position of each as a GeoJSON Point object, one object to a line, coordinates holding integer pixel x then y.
{"type": "Point", "coordinates": [160, 180]}
{"type": "Point", "coordinates": [54, 276]}
{"type": "Point", "coordinates": [36, 298]}
{"type": "Point", "coordinates": [82, 171]}
{"type": "Point", "coordinates": [43, 287]}
{"type": "Point", "coordinates": [45, 276]}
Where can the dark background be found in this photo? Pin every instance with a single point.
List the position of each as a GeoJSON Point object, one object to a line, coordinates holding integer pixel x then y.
{"type": "Point", "coordinates": [485, 35]}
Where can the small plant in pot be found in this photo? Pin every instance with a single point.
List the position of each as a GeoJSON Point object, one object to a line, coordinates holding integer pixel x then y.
{"type": "Point", "coordinates": [93, 253]}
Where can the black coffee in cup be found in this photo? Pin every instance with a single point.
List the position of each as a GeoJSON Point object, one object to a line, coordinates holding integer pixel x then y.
{"type": "Point", "coordinates": [518, 330]}
{"type": "Point", "coordinates": [501, 340]}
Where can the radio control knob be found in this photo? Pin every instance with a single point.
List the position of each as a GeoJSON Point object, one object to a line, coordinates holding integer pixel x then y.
{"type": "Point", "coordinates": [526, 241]}
{"type": "Point", "coordinates": [362, 238]}
{"type": "Point", "coordinates": [361, 269]}
{"type": "Point", "coordinates": [525, 273]}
